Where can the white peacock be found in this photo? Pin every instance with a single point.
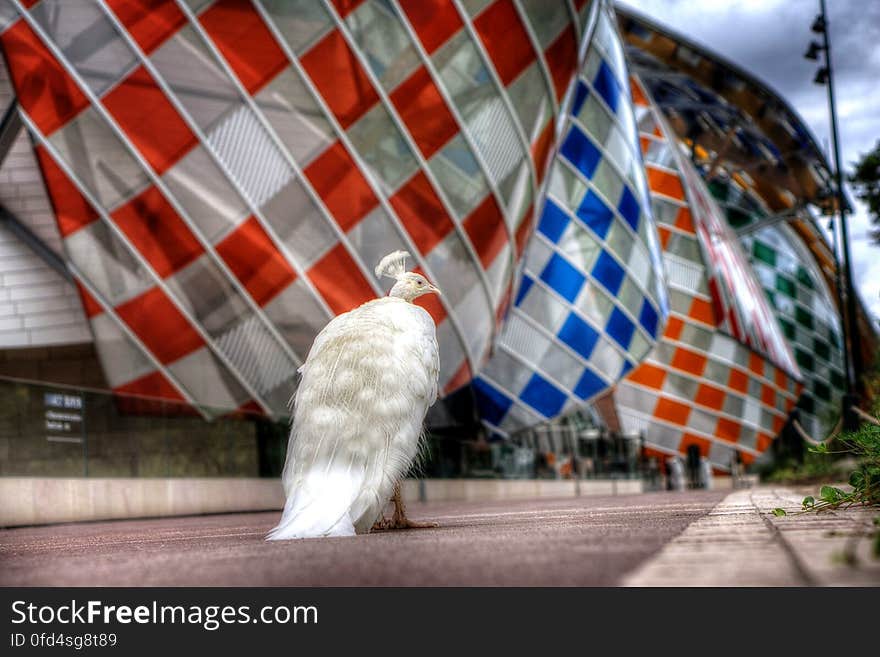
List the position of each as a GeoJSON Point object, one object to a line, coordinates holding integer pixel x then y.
{"type": "Point", "coordinates": [366, 385]}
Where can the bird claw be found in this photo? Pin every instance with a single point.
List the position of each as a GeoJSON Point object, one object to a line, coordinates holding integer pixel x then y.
{"type": "Point", "coordinates": [399, 519]}
{"type": "Point", "coordinates": [396, 522]}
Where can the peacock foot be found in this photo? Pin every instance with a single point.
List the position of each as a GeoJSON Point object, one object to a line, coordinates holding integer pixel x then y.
{"type": "Point", "coordinates": [399, 519]}
{"type": "Point", "coordinates": [401, 522]}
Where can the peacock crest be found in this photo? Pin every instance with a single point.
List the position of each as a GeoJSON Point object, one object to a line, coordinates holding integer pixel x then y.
{"type": "Point", "coordinates": [393, 265]}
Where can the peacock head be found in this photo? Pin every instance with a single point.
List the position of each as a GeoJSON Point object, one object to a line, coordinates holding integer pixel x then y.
{"type": "Point", "coordinates": [409, 285]}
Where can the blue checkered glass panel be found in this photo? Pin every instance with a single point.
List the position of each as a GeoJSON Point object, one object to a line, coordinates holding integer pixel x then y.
{"type": "Point", "coordinates": [591, 300]}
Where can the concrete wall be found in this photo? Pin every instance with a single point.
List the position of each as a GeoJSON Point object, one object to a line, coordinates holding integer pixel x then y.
{"type": "Point", "coordinates": [69, 365]}
{"type": "Point", "coordinates": [447, 490]}
{"type": "Point", "coordinates": [38, 500]}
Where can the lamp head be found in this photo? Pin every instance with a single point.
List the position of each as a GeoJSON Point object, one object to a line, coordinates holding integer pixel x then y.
{"type": "Point", "coordinates": [813, 51]}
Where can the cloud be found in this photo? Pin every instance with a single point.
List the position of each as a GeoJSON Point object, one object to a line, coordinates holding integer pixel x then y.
{"type": "Point", "coordinates": [767, 38]}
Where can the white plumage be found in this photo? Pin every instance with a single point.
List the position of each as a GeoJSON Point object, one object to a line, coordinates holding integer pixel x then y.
{"type": "Point", "coordinates": [367, 383]}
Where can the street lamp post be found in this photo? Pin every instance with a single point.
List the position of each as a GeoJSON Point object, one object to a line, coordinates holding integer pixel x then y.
{"type": "Point", "coordinates": [846, 291]}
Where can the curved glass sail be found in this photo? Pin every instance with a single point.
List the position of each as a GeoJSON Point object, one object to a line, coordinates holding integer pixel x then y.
{"type": "Point", "coordinates": [591, 301]}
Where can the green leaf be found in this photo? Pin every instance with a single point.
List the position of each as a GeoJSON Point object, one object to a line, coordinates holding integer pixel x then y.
{"type": "Point", "coordinates": [857, 479]}
{"type": "Point", "coordinates": [779, 512]}
{"type": "Point", "coordinates": [829, 493]}
{"type": "Point", "coordinates": [809, 501]}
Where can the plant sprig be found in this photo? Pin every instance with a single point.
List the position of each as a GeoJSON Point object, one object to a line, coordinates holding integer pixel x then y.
{"type": "Point", "coordinates": [863, 444]}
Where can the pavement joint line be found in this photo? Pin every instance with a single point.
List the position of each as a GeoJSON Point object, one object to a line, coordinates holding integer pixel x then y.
{"type": "Point", "coordinates": [730, 546]}
{"type": "Point", "coordinates": [796, 562]}
{"type": "Point", "coordinates": [726, 546]}
{"type": "Point", "coordinates": [834, 544]}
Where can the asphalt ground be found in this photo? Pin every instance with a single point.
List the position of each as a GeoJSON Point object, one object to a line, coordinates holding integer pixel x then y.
{"type": "Point", "coordinates": [586, 541]}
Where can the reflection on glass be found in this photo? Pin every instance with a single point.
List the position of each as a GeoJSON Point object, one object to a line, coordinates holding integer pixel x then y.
{"type": "Point", "coordinates": [195, 77]}
{"type": "Point", "coordinates": [99, 159]}
{"type": "Point", "coordinates": [300, 22]}
{"type": "Point", "coordinates": [460, 176]}
{"type": "Point", "coordinates": [205, 193]}
{"type": "Point", "coordinates": [379, 142]}
{"type": "Point", "coordinates": [106, 263]}
{"type": "Point", "coordinates": [294, 114]}
{"type": "Point", "coordinates": [88, 40]}
{"type": "Point", "coordinates": [382, 39]}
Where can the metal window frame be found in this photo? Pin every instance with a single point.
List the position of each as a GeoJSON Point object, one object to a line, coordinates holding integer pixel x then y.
{"type": "Point", "coordinates": [107, 307]}
{"type": "Point", "coordinates": [10, 127]}
{"type": "Point", "coordinates": [574, 18]}
{"type": "Point", "coordinates": [103, 217]}
{"type": "Point", "coordinates": [523, 16]}
{"type": "Point", "coordinates": [505, 99]}
{"type": "Point", "coordinates": [468, 138]}
{"type": "Point", "coordinates": [344, 139]}
{"type": "Point", "coordinates": [157, 181]}
{"type": "Point", "coordinates": [385, 100]}
{"type": "Point", "coordinates": [202, 137]}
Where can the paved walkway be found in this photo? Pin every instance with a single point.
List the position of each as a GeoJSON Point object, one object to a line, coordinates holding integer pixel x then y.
{"type": "Point", "coordinates": [691, 538]}
{"type": "Point", "coordinates": [554, 542]}
{"type": "Point", "coordinates": [741, 543]}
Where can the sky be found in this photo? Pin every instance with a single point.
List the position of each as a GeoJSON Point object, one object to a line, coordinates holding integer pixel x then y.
{"type": "Point", "coordinates": [768, 38]}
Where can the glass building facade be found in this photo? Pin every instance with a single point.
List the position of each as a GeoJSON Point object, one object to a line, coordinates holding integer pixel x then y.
{"type": "Point", "coordinates": [722, 378]}
{"type": "Point", "coordinates": [591, 300]}
{"type": "Point", "coordinates": [760, 165]}
{"type": "Point", "coordinates": [224, 175]}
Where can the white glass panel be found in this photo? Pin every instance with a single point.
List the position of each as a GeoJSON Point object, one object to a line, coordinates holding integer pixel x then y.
{"type": "Point", "coordinates": [105, 261]}
{"type": "Point", "coordinates": [99, 159]}
{"type": "Point", "coordinates": [208, 380]}
{"type": "Point", "coordinates": [123, 361]}
{"type": "Point", "coordinates": [460, 175]}
{"type": "Point", "coordinates": [205, 193]}
{"type": "Point", "coordinates": [88, 40]}
{"type": "Point", "coordinates": [195, 77]}
{"type": "Point", "coordinates": [300, 22]}
{"type": "Point", "coordinates": [295, 116]}
{"type": "Point", "coordinates": [383, 41]}
{"type": "Point", "coordinates": [298, 316]}
{"type": "Point", "coordinates": [547, 18]}
{"type": "Point", "coordinates": [379, 142]}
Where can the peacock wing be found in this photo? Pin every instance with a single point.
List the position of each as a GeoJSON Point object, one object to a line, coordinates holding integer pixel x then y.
{"type": "Point", "coordinates": [346, 361]}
